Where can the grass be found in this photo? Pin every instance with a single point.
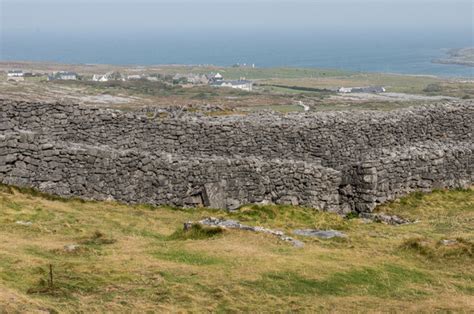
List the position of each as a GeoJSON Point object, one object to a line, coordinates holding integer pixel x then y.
{"type": "Point", "coordinates": [387, 281]}
{"type": "Point", "coordinates": [139, 259]}
{"type": "Point", "coordinates": [186, 257]}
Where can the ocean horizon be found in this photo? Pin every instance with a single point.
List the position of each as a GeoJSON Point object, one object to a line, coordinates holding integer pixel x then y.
{"type": "Point", "coordinates": [401, 52]}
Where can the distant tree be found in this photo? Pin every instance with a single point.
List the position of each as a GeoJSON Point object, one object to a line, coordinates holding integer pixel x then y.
{"type": "Point", "coordinates": [433, 88]}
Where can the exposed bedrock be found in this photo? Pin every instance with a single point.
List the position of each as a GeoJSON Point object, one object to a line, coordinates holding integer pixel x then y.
{"type": "Point", "coordinates": [334, 161]}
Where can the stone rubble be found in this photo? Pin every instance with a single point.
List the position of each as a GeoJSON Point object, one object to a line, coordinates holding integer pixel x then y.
{"type": "Point", "coordinates": [72, 248]}
{"type": "Point", "coordinates": [386, 219]}
{"type": "Point", "coordinates": [234, 224]}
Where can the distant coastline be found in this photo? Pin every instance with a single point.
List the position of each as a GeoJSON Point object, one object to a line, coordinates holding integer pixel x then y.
{"type": "Point", "coordinates": [463, 56]}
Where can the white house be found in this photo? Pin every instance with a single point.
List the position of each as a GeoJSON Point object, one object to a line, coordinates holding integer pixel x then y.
{"type": "Point", "coordinates": [109, 76]}
{"type": "Point", "coordinates": [67, 76]}
{"type": "Point", "coordinates": [99, 78]}
{"type": "Point", "coordinates": [215, 77]}
{"type": "Point", "coordinates": [15, 73]}
{"type": "Point", "coordinates": [240, 84]}
{"type": "Point", "coordinates": [345, 90]}
{"type": "Point", "coordinates": [134, 77]}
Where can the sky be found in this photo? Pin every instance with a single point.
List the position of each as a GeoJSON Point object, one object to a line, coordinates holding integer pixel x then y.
{"type": "Point", "coordinates": [85, 16]}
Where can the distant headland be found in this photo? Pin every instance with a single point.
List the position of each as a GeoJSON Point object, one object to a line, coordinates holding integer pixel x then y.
{"type": "Point", "coordinates": [461, 56]}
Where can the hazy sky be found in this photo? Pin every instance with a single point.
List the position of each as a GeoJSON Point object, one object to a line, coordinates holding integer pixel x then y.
{"type": "Point", "coordinates": [166, 15]}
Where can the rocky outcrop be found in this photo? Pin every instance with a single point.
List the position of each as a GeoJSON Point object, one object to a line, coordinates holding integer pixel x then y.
{"type": "Point", "coordinates": [334, 161]}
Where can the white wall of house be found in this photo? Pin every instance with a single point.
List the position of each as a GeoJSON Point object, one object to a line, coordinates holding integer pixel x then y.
{"type": "Point", "coordinates": [99, 78]}
{"type": "Point", "coordinates": [15, 74]}
{"type": "Point", "coordinates": [345, 90]}
{"type": "Point", "coordinates": [67, 77]}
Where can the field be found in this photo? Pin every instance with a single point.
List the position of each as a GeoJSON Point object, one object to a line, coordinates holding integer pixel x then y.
{"type": "Point", "coordinates": [106, 256]}
{"type": "Point", "coordinates": [278, 89]}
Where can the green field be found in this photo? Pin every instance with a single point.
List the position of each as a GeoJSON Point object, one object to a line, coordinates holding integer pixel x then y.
{"type": "Point", "coordinates": [138, 258]}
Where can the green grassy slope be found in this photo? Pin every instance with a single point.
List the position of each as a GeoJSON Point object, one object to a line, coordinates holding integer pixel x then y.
{"type": "Point", "coordinates": [138, 259]}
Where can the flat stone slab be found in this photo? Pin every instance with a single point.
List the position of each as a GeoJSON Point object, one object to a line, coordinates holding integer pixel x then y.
{"type": "Point", "coordinates": [234, 224]}
{"type": "Point", "coordinates": [386, 219]}
{"type": "Point", "coordinates": [323, 234]}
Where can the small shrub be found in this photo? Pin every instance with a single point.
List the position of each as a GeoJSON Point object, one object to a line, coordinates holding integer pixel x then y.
{"type": "Point", "coordinates": [460, 248]}
{"type": "Point", "coordinates": [352, 215]}
{"type": "Point", "coordinates": [196, 232]}
{"type": "Point", "coordinates": [98, 238]}
{"type": "Point", "coordinates": [6, 189]}
{"type": "Point", "coordinates": [417, 245]}
{"type": "Point", "coordinates": [437, 250]}
{"type": "Point", "coordinates": [433, 88]}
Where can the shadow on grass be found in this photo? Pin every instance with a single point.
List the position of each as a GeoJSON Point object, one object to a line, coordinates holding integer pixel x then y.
{"type": "Point", "coordinates": [196, 232]}
{"type": "Point", "coordinates": [387, 281]}
{"type": "Point", "coordinates": [182, 256]}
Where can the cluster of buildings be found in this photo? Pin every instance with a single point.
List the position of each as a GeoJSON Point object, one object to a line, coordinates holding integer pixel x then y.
{"type": "Point", "coordinates": [117, 76]}
{"type": "Point", "coordinates": [211, 79]}
{"type": "Point", "coordinates": [19, 75]}
{"type": "Point", "coordinates": [214, 80]}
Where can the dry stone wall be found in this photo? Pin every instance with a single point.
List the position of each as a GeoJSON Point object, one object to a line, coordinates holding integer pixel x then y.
{"type": "Point", "coordinates": [335, 161]}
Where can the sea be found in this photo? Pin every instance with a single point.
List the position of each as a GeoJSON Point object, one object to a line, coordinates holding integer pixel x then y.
{"type": "Point", "coordinates": [369, 50]}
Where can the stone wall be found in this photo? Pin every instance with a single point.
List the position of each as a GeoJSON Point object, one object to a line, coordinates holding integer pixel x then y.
{"type": "Point", "coordinates": [334, 161]}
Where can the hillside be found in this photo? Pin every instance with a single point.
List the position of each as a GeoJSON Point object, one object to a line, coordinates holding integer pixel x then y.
{"type": "Point", "coordinates": [107, 257]}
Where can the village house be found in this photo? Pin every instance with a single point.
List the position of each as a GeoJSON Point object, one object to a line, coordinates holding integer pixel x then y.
{"type": "Point", "coordinates": [214, 77]}
{"type": "Point", "coordinates": [63, 76]}
{"type": "Point", "coordinates": [134, 77]}
{"type": "Point", "coordinates": [344, 90]}
{"type": "Point", "coordinates": [15, 76]}
{"type": "Point", "coordinates": [15, 73]}
{"type": "Point", "coordinates": [99, 78]}
{"type": "Point", "coordinates": [195, 79]}
{"type": "Point", "coordinates": [109, 76]}
{"type": "Point", "coordinates": [240, 84]}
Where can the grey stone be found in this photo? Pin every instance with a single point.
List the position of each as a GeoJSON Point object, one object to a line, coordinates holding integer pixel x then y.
{"type": "Point", "coordinates": [384, 218]}
{"type": "Point", "coordinates": [72, 248]}
{"type": "Point", "coordinates": [234, 224]}
{"type": "Point", "coordinates": [449, 242]}
{"type": "Point", "coordinates": [323, 234]}
{"type": "Point", "coordinates": [232, 204]}
{"type": "Point", "coordinates": [24, 223]}
{"type": "Point", "coordinates": [214, 195]}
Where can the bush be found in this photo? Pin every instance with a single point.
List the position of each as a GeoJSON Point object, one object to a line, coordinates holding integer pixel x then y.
{"type": "Point", "coordinates": [433, 88]}
{"type": "Point", "coordinates": [196, 232]}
